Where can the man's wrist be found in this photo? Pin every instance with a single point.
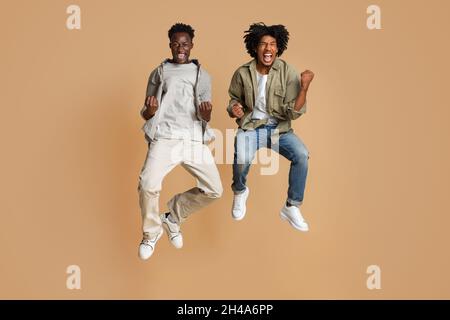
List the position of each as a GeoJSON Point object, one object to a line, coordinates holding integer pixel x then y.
{"type": "Point", "coordinates": [206, 117]}
{"type": "Point", "coordinates": [148, 114]}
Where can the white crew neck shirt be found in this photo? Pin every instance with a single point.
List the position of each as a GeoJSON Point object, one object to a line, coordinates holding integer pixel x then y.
{"type": "Point", "coordinates": [260, 108]}
{"type": "Point", "coordinates": [178, 119]}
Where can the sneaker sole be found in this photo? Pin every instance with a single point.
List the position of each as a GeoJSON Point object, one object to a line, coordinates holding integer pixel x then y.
{"type": "Point", "coordinates": [239, 218]}
{"type": "Point", "coordinates": [284, 217]}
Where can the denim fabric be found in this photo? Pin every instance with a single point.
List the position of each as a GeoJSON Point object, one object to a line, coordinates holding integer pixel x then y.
{"type": "Point", "coordinates": [287, 144]}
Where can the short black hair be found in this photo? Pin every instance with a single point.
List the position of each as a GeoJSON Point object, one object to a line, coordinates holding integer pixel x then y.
{"type": "Point", "coordinates": [258, 30]}
{"type": "Point", "coordinates": [181, 27]}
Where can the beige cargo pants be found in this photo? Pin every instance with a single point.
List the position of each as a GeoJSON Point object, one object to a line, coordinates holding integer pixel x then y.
{"type": "Point", "coordinates": [163, 155]}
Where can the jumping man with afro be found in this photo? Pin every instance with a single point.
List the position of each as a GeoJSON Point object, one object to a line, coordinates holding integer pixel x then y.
{"type": "Point", "coordinates": [266, 94]}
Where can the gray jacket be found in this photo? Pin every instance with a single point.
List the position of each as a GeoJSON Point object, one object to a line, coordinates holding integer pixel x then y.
{"type": "Point", "coordinates": [202, 92]}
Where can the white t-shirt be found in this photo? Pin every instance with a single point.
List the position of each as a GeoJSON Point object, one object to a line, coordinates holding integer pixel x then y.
{"type": "Point", "coordinates": [178, 119]}
{"type": "Point", "coordinates": [260, 109]}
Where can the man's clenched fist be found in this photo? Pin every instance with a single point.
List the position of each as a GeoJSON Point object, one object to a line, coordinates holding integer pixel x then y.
{"type": "Point", "coordinates": [306, 78]}
{"type": "Point", "coordinates": [205, 110]}
{"type": "Point", "coordinates": [152, 105]}
{"type": "Point", "coordinates": [237, 110]}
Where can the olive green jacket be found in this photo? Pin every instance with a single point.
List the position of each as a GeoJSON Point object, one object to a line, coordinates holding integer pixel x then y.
{"type": "Point", "coordinates": [282, 89]}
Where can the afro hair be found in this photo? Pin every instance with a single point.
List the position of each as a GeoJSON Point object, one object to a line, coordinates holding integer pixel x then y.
{"type": "Point", "coordinates": [256, 31]}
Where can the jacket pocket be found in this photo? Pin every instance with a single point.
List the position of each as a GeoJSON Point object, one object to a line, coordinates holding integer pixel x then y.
{"type": "Point", "coordinates": [278, 97]}
{"type": "Point", "coordinates": [279, 108]}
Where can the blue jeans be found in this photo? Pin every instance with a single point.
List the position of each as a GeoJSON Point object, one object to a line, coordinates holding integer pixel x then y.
{"type": "Point", "coordinates": [288, 145]}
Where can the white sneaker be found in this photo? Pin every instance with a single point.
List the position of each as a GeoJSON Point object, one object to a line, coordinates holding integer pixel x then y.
{"type": "Point", "coordinates": [173, 231]}
{"type": "Point", "coordinates": [239, 205]}
{"type": "Point", "coordinates": [293, 215]}
{"type": "Point", "coordinates": [147, 245]}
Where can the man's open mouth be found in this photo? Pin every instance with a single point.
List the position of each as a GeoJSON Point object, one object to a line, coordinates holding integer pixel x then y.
{"type": "Point", "coordinates": [267, 57]}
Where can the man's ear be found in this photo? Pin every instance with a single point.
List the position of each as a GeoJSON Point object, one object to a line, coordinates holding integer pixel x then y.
{"type": "Point", "coordinates": [192, 45]}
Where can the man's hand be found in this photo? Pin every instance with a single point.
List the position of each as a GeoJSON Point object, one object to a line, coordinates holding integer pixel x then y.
{"type": "Point", "coordinates": [152, 105]}
{"type": "Point", "coordinates": [237, 110]}
{"type": "Point", "coordinates": [306, 77]}
{"type": "Point", "coordinates": [205, 109]}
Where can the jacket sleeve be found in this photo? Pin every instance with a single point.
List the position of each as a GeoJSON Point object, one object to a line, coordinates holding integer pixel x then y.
{"type": "Point", "coordinates": [152, 87]}
{"type": "Point", "coordinates": [235, 91]}
{"type": "Point", "coordinates": [292, 91]}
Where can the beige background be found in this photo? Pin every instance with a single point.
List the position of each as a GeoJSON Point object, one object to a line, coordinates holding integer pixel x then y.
{"type": "Point", "coordinates": [377, 129]}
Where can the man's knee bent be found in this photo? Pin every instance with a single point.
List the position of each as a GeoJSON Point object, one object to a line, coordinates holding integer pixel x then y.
{"type": "Point", "coordinates": [300, 155]}
{"type": "Point", "coordinates": [214, 193]}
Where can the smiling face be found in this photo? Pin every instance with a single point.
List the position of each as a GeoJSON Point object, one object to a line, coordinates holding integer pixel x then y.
{"type": "Point", "coordinates": [266, 51]}
{"type": "Point", "coordinates": [181, 45]}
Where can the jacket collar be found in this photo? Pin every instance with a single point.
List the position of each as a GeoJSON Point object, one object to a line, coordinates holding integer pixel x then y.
{"type": "Point", "coordinates": [275, 65]}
